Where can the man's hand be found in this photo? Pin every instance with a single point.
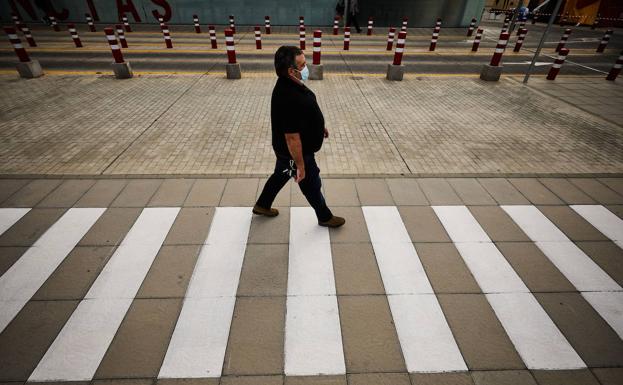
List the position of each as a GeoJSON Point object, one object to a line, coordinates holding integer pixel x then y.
{"type": "Point", "coordinates": [300, 175]}
{"type": "Point", "coordinates": [326, 133]}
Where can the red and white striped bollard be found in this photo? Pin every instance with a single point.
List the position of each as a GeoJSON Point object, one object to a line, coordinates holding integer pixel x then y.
{"type": "Point", "coordinates": [112, 41]}
{"type": "Point", "coordinates": [472, 26]}
{"type": "Point", "coordinates": [231, 49]}
{"type": "Point", "coordinates": [302, 37]}
{"type": "Point", "coordinates": [15, 19]}
{"type": "Point", "coordinates": [20, 51]}
{"type": "Point", "coordinates": [433, 41]}
{"type": "Point", "coordinates": [316, 48]}
{"type": "Point", "coordinates": [400, 48]}
{"type": "Point", "coordinates": [121, 35]}
{"type": "Point", "coordinates": [126, 24]}
{"type": "Point", "coordinates": [25, 67]}
{"type": "Point", "coordinates": [74, 35]}
{"type": "Point", "coordinates": [90, 22]}
{"type": "Point", "coordinates": [213, 36]}
{"type": "Point", "coordinates": [614, 72]}
{"type": "Point", "coordinates": [346, 38]}
{"type": "Point", "coordinates": [258, 37]}
{"type": "Point", "coordinates": [405, 20]}
{"type": "Point", "coordinates": [336, 25]}
{"type": "Point", "coordinates": [499, 49]}
{"type": "Point", "coordinates": [267, 24]}
{"type": "Point", "coordinates": [370, 25]}
{"type": "Point", "coordinates": [390, 38]}
{"type": "Point", "coordinates": [232, 24]}
{"type": "Point", "coordinates": [28, 35]}
{"type": "Point", "coordinates": [167, 36]}
{"type": "Point", "coordinates": [196, 23]}
{"type": "Point", "coordinates": [505, 25]}
{"type": "Point", "coordinates": [477, 39]}
{"type": "Point", "coordinates": [563, 40]}
{"type": "Point", "coordinates": [604, 41]}
{"type": "Point", "coordinates": [520, 39]}
{"type": "Point", "coordinates": [161, 21]}
{"type": "Point", "coordinates": [54, 23]}
{"type": "Point", "coordinates": [562, 55]}
{"type": "Point", "coordinates": [301, 22]}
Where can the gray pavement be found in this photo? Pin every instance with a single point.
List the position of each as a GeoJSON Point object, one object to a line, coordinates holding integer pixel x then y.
{"type": "Point", "coordinates": [207, 125]}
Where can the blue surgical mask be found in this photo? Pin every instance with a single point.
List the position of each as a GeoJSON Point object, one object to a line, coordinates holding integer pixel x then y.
{"type": "Point", "coordinates": [305, 73]}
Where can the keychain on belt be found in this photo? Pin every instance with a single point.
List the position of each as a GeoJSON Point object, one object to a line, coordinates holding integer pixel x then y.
{"type": "Point", "coordinates": [291, 171]}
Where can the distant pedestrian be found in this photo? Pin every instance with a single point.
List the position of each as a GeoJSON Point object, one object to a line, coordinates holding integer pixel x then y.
{"type": "Point", "coordinates": [353, 11]}
{"type": "Point", "coordinates": [297, 133]}
{"type": "Point", "coordinates": [45, 6]}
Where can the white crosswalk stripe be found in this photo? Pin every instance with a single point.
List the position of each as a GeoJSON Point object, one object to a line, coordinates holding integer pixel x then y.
{"type": "Point", "coordinates": [198, 343]}
{"type": "Point", "coordinates": [576, 266]}
{"type": "Point", "coordinates": [313, 339]}
{"type": "Point", "coordinates": [425, 337]}
{"type": "Point", "coordinates": [313, 335]}
{"type": "Point", "coordinates": [603, 220]}
{"type": "Point", "coordinates": [80, 346]}
{"type": "Point", "coordinates": [535, 336]}
{"type": "Point", "coordinates": [22, 280]}
{"type": "Point", "coordinates": [8, 217]}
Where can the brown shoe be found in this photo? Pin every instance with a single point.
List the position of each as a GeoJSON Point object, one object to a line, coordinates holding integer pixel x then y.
{"type": "Point", "coordinates": [333, 222]}
{"type": "Point", "coordinates": [266, 212]}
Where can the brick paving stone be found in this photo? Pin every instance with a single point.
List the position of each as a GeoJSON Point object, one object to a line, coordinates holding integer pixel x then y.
{"type": "Point", "coordinates": [25, 340]}
{"type": "Point", "coordinates": [256, 337]}
{"type": "Point", "coordinates": [379, 379]}
{"type": "Point", "coordinates": [170, 273]}
{"type": "Point", "coordinates": [74, 276]}
{"type": "Point", "coordinates": [102, 193]}
{"type": "Point", "coordinates": [565, 377]}
{"type": "Point", "coordinates": [368, 334]}
{"type": "Point", "coordinates": [483, 341]}
{"type": "Point", "coordinates": [406, 192]}
{"type": "Point", "coordinates": [8, 256]}
{"type": "Point", "coordinates": [566, 191]}
{"type": "Point", "coordinates": [503, 377]}
{"type": "Point", "coordinates": [67, 193]}
{"type": "Point", "coordinates": [139, 346]}
{"type": "Point", "coordinates": [264, 271]}
{"type": "Point", "coordinates": [10, 186]}
{"type": "Point", "coordinates": [535, 191]}
{"type": "Point", "coordinates": [587, 332]}
{"type": "Point", "coordinates": [32, 193]}
{"type": "Point", "coordinates": [598, 191]}
{"type": "Point", "coordinates": [442, 378]}
{"type": "Point", "coordinates": [205, 192]}
{"type": "Point", "coordinates": [503, 191]}
{"type": "Point", "coordinates": [609, 376]}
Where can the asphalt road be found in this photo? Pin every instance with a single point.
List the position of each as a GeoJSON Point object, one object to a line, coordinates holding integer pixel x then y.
{"type": "Point", "coordinates": [367, 54]}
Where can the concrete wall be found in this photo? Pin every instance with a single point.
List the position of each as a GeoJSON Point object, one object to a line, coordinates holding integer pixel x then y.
{"type": "Point", "coordinates": [421, 13]}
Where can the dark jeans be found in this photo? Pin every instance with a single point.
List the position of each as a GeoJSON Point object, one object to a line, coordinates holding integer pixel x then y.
{"type": "Point", "coordinates": [310, 186]}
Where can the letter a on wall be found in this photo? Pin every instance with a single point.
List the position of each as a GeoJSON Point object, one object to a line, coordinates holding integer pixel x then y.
{"type": "Point", "coordinates": [122, 9]}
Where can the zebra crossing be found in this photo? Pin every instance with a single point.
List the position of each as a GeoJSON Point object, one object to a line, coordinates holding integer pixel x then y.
{"type": "Point", "coordinates": [313, 336]}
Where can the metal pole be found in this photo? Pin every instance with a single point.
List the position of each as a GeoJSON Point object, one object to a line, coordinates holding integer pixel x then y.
{"type": "Point", "coordinates": [538, 50]}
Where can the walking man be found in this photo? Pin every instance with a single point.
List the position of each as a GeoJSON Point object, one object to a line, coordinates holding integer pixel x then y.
{"type": "Point", "coordinates": [297, 133]}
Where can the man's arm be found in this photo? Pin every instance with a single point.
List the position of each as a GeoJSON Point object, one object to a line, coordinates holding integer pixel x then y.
{"type": "Point", "coordinates": [296, 150]}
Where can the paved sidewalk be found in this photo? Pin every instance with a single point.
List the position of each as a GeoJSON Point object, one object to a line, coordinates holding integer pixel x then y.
{"type": "Point", "coordinates": [207, 125]}
{"type": "Point", "coordinates": [414, 290]}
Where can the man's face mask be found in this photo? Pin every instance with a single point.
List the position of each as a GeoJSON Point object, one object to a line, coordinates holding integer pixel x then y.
{"type": "Point", "coordinates": [304, 73]}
